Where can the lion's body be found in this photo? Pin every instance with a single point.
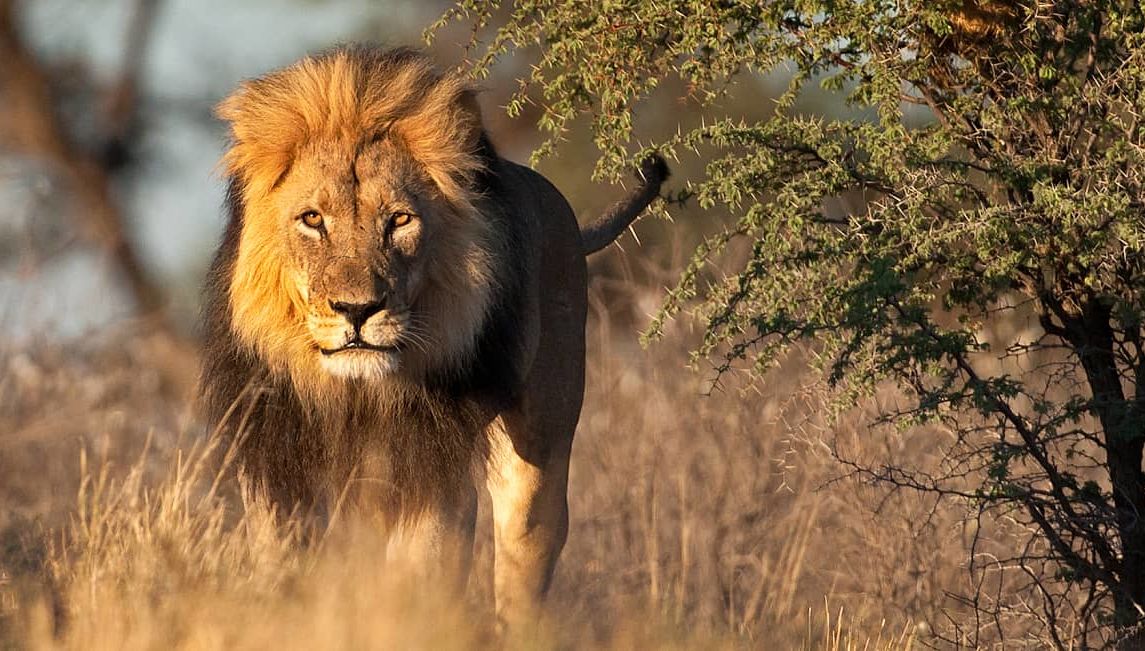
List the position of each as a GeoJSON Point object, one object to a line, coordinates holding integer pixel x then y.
{"type": "Point", "coordinates": [396, 313]}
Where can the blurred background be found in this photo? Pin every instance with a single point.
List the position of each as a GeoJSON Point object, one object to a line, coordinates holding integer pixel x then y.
{"type": "Point", "coordinates": [710, 513]}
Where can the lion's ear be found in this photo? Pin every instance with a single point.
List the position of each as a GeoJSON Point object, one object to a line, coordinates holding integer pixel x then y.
{"type": "Point", "coordinates": [266, 130]}
{"type": "Point", "coordinates": [468, 105]}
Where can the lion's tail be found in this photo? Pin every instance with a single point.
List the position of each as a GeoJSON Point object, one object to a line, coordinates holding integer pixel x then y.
{"type": "Point", "coordinates": [601, 233]}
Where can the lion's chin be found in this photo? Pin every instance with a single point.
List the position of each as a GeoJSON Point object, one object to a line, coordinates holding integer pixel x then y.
{"type": "Point", "coordinates": [362, 364]}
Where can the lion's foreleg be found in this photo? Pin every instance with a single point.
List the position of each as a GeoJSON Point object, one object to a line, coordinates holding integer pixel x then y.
{"type": "Point", "coordinates": [439, 542]}
{"type": "Point", "coordinates": [530, 517]}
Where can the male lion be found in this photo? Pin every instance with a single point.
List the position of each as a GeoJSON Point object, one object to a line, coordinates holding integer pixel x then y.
{"type": "Point", "coordinates": [396, 313]}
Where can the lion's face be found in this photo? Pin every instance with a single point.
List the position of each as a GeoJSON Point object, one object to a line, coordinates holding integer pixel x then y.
{"type": "Point", "coordinates": [362, 253]}
{"type": "Point", "coordinates": [383, 273]}
{"type": "Point", "coordinates": [359, 225]}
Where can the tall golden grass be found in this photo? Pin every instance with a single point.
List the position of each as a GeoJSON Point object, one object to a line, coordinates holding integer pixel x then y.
{"type": "Point", "coordinates": [701, 518]}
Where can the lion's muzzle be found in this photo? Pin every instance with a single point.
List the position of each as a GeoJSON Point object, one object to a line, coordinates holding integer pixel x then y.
{"type": "Point", "coordinates": [360, 338]}
{"type": "Point", "coordinates": [358, 313]}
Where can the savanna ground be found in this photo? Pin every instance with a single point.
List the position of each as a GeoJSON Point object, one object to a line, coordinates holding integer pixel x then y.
{"type": "Point", "coordinates": [701, 517]}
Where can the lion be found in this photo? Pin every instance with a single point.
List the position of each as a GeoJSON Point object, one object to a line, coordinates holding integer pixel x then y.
{"type": "Point", "coordinates": [395, 314]}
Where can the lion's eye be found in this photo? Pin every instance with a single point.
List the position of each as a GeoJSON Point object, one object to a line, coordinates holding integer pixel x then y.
{"type": "Point", "coordinates": [312, 219]}
{"type": "Point", "coordinates": [402, 219]}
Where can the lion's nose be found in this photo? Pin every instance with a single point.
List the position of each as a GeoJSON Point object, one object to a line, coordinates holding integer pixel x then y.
{"type": "Point", "coordinates": [358, 313]}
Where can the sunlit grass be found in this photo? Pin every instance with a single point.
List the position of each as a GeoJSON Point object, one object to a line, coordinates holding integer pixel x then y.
{"type": "Point", "coordinates": [697, 522]}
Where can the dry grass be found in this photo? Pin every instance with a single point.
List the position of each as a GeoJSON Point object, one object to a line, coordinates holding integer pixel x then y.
{"type": "Point", "coordinates": [699, 521]}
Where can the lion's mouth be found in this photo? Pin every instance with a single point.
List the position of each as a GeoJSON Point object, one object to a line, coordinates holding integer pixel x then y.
{"type": "Point", "coordinates": [360, 345]}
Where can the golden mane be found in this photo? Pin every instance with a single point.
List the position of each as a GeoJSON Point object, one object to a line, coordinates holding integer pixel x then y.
{"type": "Point", "coordinates": [346, 97]}
{"type": "Point", "coordinates": [354, 94]}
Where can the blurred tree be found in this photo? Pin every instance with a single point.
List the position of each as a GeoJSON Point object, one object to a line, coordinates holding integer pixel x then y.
{"type": "Point", "coordinates": [31, 126]}
{"type": "Point", "coordinates": [1019, 192]}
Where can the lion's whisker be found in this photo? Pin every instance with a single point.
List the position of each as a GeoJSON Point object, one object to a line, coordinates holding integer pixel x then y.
{"type": "Point", "coordinates": [417, 331]}
{"type": "Point", "coordinates": [417, 339]}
